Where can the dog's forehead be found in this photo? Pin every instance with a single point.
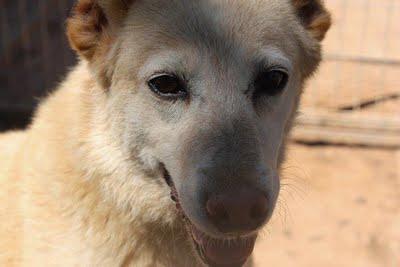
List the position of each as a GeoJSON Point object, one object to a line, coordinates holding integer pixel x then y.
{"type": "Point", "coordinates": [226, 25]}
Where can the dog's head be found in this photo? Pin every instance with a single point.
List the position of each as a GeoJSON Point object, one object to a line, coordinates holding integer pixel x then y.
{"type": "Point", "coordinates": [204, 92]}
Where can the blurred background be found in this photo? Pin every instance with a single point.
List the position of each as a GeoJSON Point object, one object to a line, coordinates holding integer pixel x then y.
{"type": "Point", "coordinates": [34, 55]}
{"type": "Point", "coordinates": [340, 199]}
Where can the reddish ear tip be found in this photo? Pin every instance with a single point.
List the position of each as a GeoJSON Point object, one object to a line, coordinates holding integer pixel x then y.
{"type": "Point", "coordinates": [314, 17]}
{"type": "Point", "coordinates": [85, 26]}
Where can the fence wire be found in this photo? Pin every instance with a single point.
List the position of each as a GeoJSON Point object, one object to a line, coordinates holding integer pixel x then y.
{"type": "Point", "coordinates": [361, 68]}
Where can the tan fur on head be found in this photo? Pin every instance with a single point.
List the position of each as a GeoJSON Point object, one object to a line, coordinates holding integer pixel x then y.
{"type": "Point", "coordinates": [314, 16]}
{"type": "Point", "coordinates": [115, 10]}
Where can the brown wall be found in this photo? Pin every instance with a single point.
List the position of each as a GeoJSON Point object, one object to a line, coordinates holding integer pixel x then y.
{"type": "Point", "coordinates": [34, 55]}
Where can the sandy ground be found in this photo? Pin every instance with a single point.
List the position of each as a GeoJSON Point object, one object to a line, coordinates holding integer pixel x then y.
{"type": "Point", "coordinates": [340, 206]}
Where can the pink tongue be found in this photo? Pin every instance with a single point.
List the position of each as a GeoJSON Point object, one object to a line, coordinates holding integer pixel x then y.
{"type": "Point", "coordinates": [229, 253]}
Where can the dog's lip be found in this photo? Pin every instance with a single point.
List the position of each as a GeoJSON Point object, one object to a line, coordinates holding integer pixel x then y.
{"type": "Point", "coordinates": [214, 252]}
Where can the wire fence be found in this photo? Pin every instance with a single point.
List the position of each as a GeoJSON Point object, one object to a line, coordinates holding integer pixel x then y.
{"type": "Point", "coordinates": [361, 68]}
{"type": "Point", "coordinates": [355, 98]}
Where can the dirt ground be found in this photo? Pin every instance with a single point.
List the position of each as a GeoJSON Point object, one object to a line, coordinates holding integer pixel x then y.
{"type": "Point", "coordinates": [340, 206]}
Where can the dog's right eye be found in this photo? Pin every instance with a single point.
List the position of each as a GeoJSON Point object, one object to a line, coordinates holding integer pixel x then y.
{"type": "Point", "coordinates": [167, 85]}
{"type": "Point", "coordinates": [270, 82]}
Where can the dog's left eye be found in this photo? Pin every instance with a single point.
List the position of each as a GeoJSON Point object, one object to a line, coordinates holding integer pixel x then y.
{"type": "Point", "coordinates": [270, 82]}
{"type": "Point", "coordinates": [167, 85]}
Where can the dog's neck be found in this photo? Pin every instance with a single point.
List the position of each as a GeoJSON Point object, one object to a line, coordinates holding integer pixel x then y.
{"type": "Point", "coordinates": [112, 201]}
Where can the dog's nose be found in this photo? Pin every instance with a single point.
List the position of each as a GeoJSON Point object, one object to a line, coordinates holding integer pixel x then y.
{"type": "Point", "coordinates": [239, 211]}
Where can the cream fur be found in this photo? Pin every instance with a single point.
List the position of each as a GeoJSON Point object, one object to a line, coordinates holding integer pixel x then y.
{"type": "Point", "coordinates": [53, 210]}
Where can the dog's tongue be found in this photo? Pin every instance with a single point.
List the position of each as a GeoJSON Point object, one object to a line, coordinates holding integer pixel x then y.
{"type": "Point", "coordinates": [232, 255]}
{"type": "Point", "coordinates": [224, 253]}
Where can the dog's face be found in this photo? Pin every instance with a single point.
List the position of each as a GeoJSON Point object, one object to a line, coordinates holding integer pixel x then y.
{"type": "Point", "coordinates": [205, 92]}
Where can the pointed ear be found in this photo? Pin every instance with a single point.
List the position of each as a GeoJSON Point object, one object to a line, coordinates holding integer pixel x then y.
{"type": "Point", "coordinates": [314, 17]}
{"type": "Point", "coordinates": [94, 23]}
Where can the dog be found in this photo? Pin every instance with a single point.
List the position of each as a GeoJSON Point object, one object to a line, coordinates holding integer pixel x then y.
{"type": "Point", "coordinates": [162, 146]}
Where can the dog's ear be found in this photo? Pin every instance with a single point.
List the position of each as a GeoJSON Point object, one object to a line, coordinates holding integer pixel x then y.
{"type": "Point", "coordinates": [94, 23]}
{"type": "Point", "coordinates": [314, 17]}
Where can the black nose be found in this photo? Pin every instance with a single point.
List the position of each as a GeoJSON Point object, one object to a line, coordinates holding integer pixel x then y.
{"type": "Point", "coordinates": [239, 211]}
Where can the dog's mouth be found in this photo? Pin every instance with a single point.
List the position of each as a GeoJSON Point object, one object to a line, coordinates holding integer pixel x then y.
{"type": "Point", "coordinates": [214, 252]}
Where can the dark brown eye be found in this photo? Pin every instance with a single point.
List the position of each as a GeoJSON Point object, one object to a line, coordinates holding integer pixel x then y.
{"type": "Point", "coordinates": [270, 83]}
{"type": "Point", "coordinates": [167, 85]}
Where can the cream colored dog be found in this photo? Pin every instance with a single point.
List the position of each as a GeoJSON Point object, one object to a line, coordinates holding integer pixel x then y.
{"type": "Point", "coordinates": [162, 146]}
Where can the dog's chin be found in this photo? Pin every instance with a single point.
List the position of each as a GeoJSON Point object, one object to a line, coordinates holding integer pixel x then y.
{"type": "Point", "coordinates": [232, 251]}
